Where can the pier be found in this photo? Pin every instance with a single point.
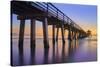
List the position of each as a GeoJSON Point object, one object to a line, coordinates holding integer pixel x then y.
{"type": "Point", "coordinates": [48, 14]}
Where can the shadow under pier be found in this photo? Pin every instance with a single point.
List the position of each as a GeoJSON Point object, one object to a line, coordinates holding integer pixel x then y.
{"type": "Point", "coordinates": [32, 55]}
{"type": "Point", "coordinates": [21, 56]}
{"type": "Point", "coordinates": [46, 54]}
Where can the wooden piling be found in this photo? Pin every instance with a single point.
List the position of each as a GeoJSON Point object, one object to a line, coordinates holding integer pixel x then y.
{"type": "Point", "coordinates": [57, 33]}
{"type": "Point", "coordinates": [21, 33]}
{"type": "Point", "coordinates": [53, 34]}
{"type": "Point", "coordinates": [72, 35]}
{"type": "Point", "coordinates": [32, 34]}
{"type": "Point", "coordinates": [45, 33]}
{"type": "Point", "coordinates": [69, 33]}
{"type": "Point", "coordinates": [62, 31]}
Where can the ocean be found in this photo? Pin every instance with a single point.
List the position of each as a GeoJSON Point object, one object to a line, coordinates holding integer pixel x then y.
{"type": "Point", "coordinates": [81, 50]}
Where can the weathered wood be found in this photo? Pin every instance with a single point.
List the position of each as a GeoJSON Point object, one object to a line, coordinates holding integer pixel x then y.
{"type": "Point", "coordinates": [32, 34]}
{"type": "Point", "coordinates": [53, 34]}
{"type": "Point", "coordinates": [21, 33]}
{"type": "Point", "coordinates": [57, 33]}
{"type": "Point", "coordinates": [45, 33]}
{"type": "Point", "coordinates": [28, 16]}
{"type": "Point", "coordinates": [69, 33]}
{"type": "Point", "coordinates": [72, 35]}
{"type": "Point", "coordinates": [62, 31]}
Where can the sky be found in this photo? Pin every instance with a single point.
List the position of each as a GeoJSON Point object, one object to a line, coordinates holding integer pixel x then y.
{"type": "Point", "coordinates": [83, 15]}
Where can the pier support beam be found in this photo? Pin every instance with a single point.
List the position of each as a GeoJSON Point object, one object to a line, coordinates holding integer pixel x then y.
{"type": "Point", "coordinates": [53, 41]}
{"type": "Point", "coordinates": [75, 35]}
{"type": "Point", "coordinates": [57, 34]}
{"type": "Point", "coordinates": [45, 33]}
{"type": "Point", "coordinates": [21, 33]}
{"type": "Point", "coordinates": [69, 33]}
{"type": "Point", "coordinates": [79, 35]}
{"type": "Point", "coordinates": [62, 31]}
{"type": "Point", "coordinates": [32, 34]}
{"type": "Point", "coordinates": [53, 33]}
{"type": "Point", "coordinates": [72, 35]}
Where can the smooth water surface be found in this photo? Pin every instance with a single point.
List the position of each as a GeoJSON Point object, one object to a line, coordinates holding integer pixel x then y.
{"type": "Point", "coordinates": [72, 51]}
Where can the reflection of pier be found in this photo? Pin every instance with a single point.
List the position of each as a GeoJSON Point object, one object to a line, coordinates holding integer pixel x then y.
{"type": "Point", "coordinates": [49, 15]}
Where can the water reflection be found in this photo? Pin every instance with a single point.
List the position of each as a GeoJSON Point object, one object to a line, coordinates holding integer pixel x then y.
{"type": "Point", "coordinates": [57, 58]}
{"type": "Point", "coordinates": [46, 52]}
{"type": "Point", "coordinates": [21, 58]}
{"type": "Point", "coordinates": [53, 53]}
{"type": "Point", "coordinates": [63, 53]}
{"type": "Point", "coordinates": [32, 55]}
{"type": "Point", "coordinates": [71, 51]}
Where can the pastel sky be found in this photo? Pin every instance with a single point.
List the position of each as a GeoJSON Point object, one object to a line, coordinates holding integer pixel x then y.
{"type": "Point", "coordinates": [84, 15]}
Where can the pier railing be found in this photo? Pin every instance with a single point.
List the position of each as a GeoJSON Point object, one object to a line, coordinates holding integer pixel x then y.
{"type": "Point", "coordinates": [50, 9]}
